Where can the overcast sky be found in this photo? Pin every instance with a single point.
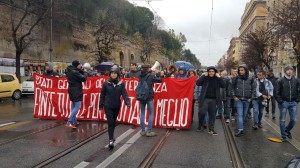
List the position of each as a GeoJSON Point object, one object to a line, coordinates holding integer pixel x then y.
{"type": "Point", "coordinates": [193, 18]}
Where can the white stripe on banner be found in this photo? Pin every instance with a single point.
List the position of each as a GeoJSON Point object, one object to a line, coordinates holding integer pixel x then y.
{"type": "Point", "coordinates": [120, 151]}
{"type": "Point", "coordinates": [118, 140]}
{"type": "Point", "coordinates": [10, 123]}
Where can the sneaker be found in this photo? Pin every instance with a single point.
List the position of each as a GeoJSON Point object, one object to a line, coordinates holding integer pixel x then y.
{"type": "Point", "coordinates": [111, 144]}
{"type": "Point", "coordinates": [143, 133]}
{"type": "Point", "coordinates": [283, 139]}
{"type": "Point", "coordinates": [70, 125]}
{"type": "Point", "coordinates": [227, 121]}
{"type": "Point", "coordinates": [255, 127]}
{"type": "Point", "coordinates": [239, 133]}
{"type": "Point", "coordinates": [232, 118]}
{"type": "Point", "coordinates": [151, 134]}
{"type": "Point", "coordinates": [212, 132]}
{"type": "Point", "coordinates": [288, 134]}
{"type": "Point", "coordinates": [259, 125]}
{"type": "Point", "coordinates": [267, 115]}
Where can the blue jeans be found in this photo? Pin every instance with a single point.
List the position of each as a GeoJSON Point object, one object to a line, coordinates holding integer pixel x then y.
{"type": "Point", "coordinates": [292, 108]}
{"type": "Point", "coordinates": [75, 108]}
{"type": "Point", "coordinates": [258, 109]}
{"type": "Point", "coordinates": [242, 109]}
{"type": "Point", "coordinates": [150, 106]}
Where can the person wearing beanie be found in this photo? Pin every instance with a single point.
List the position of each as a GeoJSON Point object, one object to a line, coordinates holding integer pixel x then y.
{"type": "Point", "coordinates": [111, 92]}
{"type": "Point", "coordinates": [75, 76]}
{"type": "Point", "coordinates": [287, 94]}
{"type": "Point", "coordinates": [150, 79]}
{"type": "Point", "coordinates": [242, 93]}
{"type": "Point", "coordinates": [211, 83]}
{"type": "Point", "coordinates": [49, 70]}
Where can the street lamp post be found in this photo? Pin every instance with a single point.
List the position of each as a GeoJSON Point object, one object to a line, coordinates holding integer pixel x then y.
{"type": "Point", "coordinates": [50, 49]}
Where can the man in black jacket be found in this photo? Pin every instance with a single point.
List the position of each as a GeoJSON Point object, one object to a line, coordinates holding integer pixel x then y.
{"type": "Point", "coordinates": [287, 94]}
{"type": "Point", "coordinates": [75, 77]}
{"type": "Point", "coordinates": [273, 79]}
{"type": "Point", "coordinates": [211, 83]}
{"type": "Point", "coordinates": [242, 93]}
{"type": "Point", "coordinates": [150, 80]}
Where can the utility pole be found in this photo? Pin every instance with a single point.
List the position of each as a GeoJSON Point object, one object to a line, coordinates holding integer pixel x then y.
{"type": "Point", "coordinates": [50, 49]}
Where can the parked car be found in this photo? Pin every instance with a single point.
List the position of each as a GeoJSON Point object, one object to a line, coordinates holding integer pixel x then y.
{"type": "Point", "coordinates": [10, 86]}
{"type": "Point", "coordinates": [28, 86]}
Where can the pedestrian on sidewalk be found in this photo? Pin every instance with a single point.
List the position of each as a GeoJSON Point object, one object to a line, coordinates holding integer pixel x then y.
{"type": "Point", "coordinates": [287, 94]}
{"type": "Point", "coordinates": [272, 79]}
{"type": "Point", "coordinates": [242, 94]}
{"type": "Point", "coordinates": [150, 79]}
{"type": "Point", "coordinates": [262, 92]}
{"type": "Point", "coordinates": [112, 90]}
{"type": "Point", "coordinates": [75, 76]}
{"type": "Point", "coordinates": [211, 83]}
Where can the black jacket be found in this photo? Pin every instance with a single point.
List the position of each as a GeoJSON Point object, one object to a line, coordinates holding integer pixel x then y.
{"type": "Point", "coordinates": [203, 81]}
{"type": "Point", "coordinates": [111, 93]}
{"type": "Point", "coordinates": [51, 73]}
{"type": "Point", "coordinates": [150, 81]}
{"type": "Point", "coordinates": [242, 89]}
{"type": "Point", "coordinates": [75, 78]}
{"type": "Point", "coordinates": [287, 90]}
{"type": "Point", "coordinates": [273, 80]}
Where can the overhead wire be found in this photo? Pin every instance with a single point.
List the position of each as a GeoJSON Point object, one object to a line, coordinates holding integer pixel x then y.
{"type": "Point", "coordinates": [211, 21]}
{"type": "Point", "coordinates": [148, 2]}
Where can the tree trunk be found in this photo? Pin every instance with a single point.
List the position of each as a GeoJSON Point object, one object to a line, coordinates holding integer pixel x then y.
{"type": "Point", "coordinates": [298, 70]}
{"type": "Point", "coordinates": [18, 64]}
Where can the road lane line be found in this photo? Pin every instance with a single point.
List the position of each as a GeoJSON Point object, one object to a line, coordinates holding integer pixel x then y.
{"type": "Point", "coordinates": [82, 164]}
{"type": "Point", "coordinates": [120, 151]}
{"type": "Point", "coordinates": [14, 125]}
{"type": "Point", "coordinates": [293, 141]}
{"type": "Point", "coordinates": [2, 125]}
{"type": "Point", "coordinates": [118, 140]}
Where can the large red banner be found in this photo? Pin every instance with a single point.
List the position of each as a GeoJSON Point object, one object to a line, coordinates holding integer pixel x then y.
{"type": "Point", "coordinates": [172, 101]}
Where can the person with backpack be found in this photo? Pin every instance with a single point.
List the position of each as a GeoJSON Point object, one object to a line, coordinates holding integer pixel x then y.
{"type": "Point", "coordinates": [242, 94]}
{"type": "Point", "coordinates": [287, 94]}
{"type": "Point", "coordinates": [145, 95]}
{"type": "Point", "coordinates": [262, 92]}
{"type": "Point", "coordinates": [112, 90]}
{"type": "Point", "coordinates": [211, 83]}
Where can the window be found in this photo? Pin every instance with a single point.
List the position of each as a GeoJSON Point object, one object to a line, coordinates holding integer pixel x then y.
{"type": "Point", "coordinates": [7, 78]}
{"type": "Point", "coordinates": [132, 57]}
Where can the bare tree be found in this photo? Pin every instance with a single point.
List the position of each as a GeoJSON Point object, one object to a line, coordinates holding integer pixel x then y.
{"type": "Point", "coordinates": [230, 63]}
{"type": "Point", "coordinates": [24, 18]}
{"type": "Point", "coordinates": [286, 22]}
{"type": "Point", "coordinates": [147, 46]}
{"type": "Point", "coordinates": [257, 45]}
{"type": "Point", "coordinates": [107, 34]}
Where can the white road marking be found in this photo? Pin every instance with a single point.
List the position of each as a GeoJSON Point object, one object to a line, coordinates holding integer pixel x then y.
{"type": "Point", "coordinates": [119, 139]}
{"type": "Point", "coordinates": [293, 141]}
{"type": "Point", "coordinates": [82, 164]}
{"type": "Point", "coordinates": [10, 123]}
{"type": "Point", "coordinates": [121, 150]}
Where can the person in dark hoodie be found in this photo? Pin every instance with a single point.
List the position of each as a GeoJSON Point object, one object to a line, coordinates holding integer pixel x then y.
{"type": "Point", "coordinates": [111, 92]}
{"type": "Point", "coordinates": [150, 80]}
{"type": "Point", "coordinates": [210, 96]}
{"type": "Point", "coordinates": [50, 71]}
{"type": "Point", "coordinates": [242, 93]}
{"type": "Point", "coordinates": [287, 94]}
{"type": "Point", "coordinates": [75, 76]}
{"type": "Point", "coordinates": [134, 72]}
{"type": "Point", "coordinates": [182, 74]}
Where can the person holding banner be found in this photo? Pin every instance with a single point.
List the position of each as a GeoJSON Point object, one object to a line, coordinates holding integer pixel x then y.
{"type": "Point", "coordinates": [211, 83]}
{"type": "Point", "coordinates": [75, 76]}
{"type": "Point", "coordinates": [111, 92]}
{"type": "Point", "coordinates": [150, 79]}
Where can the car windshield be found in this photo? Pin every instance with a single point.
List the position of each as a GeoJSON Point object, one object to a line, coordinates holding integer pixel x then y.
{"type": "Point", "coordinates": [30, 79]}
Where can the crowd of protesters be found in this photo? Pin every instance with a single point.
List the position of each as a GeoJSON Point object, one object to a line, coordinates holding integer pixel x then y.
{"type": "Point", "coordinates": [218, 94]}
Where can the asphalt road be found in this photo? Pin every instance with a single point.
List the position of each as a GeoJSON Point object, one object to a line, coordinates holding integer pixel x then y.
{"type": "Point", "coordinates": [183, 148]}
